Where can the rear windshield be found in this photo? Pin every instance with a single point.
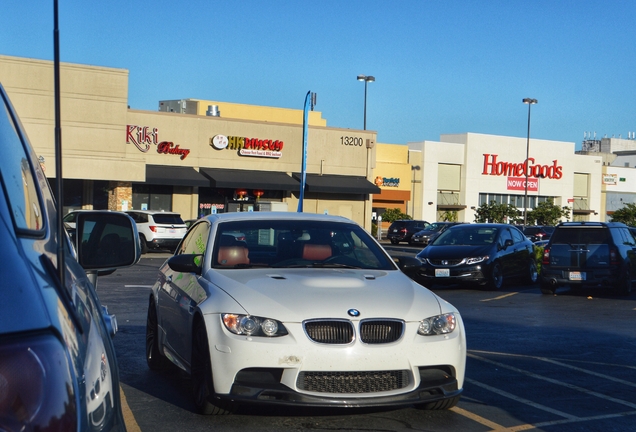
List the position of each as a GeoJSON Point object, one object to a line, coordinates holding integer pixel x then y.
{"type": "Point", "coordinates": [168, 219]}
{"type": "Point", "coordinates": [581, 235]}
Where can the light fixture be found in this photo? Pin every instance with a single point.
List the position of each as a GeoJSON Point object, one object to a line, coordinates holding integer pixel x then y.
{"type": "Point", "coordinates": [529, 102]}
{"type": "Point", "coordinates": [367, 79]}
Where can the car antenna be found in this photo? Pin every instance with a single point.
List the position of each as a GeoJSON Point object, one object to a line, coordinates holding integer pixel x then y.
{"type": "Point", "coordinates": [58, 147]}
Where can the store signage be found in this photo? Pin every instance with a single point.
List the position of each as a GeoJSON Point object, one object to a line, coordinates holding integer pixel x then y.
{"type": "Point", "coordinates": [248, 146]}
{"type": "Point", "coordinates": [609, 179]}
{"type": "Point", "coordinates": [519, 183]}
{"type": "Point", "coordinates": [387, 182]}
{"type": "Point", "coordinates": [144, 137]}
{"type": "Point", "coordinates": [498, 168]}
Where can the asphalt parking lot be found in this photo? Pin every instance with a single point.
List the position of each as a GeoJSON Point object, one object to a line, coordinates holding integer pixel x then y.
{"type": "Point", "coordinates": [535, 362]}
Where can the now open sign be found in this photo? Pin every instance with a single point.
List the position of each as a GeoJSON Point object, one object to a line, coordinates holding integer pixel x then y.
{"type": "Point", "coordinates": [519, 183]}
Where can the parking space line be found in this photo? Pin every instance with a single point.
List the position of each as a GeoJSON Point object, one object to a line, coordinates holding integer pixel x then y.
{"type": "Point", "coordinates": [129, 417]}
{"type": "Point", "coordinates": [500, 297]}
{"type": "Point", "coordinates": [568, 366]}
{"type": "Point", "coordinates": [554, 381]}
{"type": "Point", "coordinates": [522, 400]}
{"type": "Point", "coordinates": [138, 286]}
{"type": "Point", "coordinates": [477, 418]}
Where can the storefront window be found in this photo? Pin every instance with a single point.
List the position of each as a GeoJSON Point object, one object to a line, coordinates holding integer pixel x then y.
{"type": "Point", "coordinates": [152, 197]}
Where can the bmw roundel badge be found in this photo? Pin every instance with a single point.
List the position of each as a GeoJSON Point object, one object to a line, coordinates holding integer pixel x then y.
{"type": "Point", "coordinates": [353, 312]}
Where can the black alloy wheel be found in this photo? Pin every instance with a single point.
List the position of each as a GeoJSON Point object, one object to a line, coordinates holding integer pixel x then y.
{"type": "Point", "coordinates": [155, 359]}
{"type": "Point", "coordinates": [496, 277]}
{"type": "Point", "coordinates": [201, 374]}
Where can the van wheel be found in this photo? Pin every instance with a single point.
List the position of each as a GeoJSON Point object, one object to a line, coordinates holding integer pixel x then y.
{"type": "Point", "coordinates": [625, 284]}
{"type": "Point", "coordinates": [547, 289]}
{"type": "Point", "coordinates": [144, 245]}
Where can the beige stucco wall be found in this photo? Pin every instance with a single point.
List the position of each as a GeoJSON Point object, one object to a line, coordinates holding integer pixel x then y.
{"type": "Point", "coordinates": [93, 117]}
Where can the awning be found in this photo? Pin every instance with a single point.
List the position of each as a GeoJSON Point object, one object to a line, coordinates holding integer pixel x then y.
{"type": "Point", "coordinates": [266, 180]}
{"type": "Point", "coordinates": [328, 183]}
{"type": "Point", "coordinates": [175, 176]}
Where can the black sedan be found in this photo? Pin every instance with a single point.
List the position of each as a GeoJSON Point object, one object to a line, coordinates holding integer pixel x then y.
{"type": "Point", "coordinates": [482, 254]}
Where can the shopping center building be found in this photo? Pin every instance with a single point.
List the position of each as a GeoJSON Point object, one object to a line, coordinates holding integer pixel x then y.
{"type": "Point", "coordinates": [192, 157]}
{"type": "Point", "coordinates": [199, 156]}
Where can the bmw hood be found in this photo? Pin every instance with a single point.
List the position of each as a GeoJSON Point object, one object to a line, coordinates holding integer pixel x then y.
{"type": "Point", "coordinates": [299, 294]}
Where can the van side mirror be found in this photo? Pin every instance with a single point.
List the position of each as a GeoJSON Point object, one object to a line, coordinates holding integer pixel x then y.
{"type": "Point", "coordinates": [106, 240]}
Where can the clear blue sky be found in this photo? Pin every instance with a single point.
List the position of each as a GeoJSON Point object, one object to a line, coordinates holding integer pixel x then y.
{"type": "Point", "coordinates": [446, 66]}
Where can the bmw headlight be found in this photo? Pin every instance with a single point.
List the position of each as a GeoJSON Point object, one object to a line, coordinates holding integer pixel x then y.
{"type": "Point", "coordinates": [476, 260]}
{"type": "Point", "coordinates": [249, 325]}
{"type": "Point", "coordinates": [437, 325]}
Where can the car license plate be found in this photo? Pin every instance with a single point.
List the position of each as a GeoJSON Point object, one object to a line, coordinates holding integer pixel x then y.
{"type": "Point", "coordinates": [577, 276]}
{"type": "Point", "coordinates": [442, 272]}
{"type": "Point", "coordinates": [172, 231]}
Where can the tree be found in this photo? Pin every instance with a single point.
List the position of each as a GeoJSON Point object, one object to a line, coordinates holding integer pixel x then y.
{"type": "Point", "coordinates": [497, 213]}
{"type": "Point", "coordinates": [391, 215]}
{"type": "Point", "coordinates": [626, 214]}
{"type": "Point", "coordinates": [548, 213]}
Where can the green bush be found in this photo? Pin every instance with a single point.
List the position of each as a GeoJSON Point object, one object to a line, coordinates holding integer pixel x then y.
{"type": "Point", "coordinates": [538, 256]}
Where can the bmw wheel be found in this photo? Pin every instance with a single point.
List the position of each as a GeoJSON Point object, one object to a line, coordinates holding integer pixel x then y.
{"type": "Point", "coordinates": [496, 277]}
{"type": "Point", "coordinates": [155, 359]}
{"type": "Point", "coordinates": [201, 369]}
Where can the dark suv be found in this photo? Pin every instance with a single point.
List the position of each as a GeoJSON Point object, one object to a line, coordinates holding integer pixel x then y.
{"type": "Point", "coordinates": [589, 254]}
{"type": "Point", "coordinates": [403, 230]}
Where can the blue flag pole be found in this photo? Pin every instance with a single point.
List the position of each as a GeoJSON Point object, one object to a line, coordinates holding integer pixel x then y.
{"type": "Point", "coordinates": [303, 173]}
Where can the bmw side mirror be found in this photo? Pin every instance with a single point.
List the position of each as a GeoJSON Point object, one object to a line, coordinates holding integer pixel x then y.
{"type": "Point", "coordinates": [186, 263]}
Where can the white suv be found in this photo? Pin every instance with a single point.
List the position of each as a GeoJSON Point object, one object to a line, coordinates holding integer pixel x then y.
{"type": "Point", "coordinates": [158, 229]}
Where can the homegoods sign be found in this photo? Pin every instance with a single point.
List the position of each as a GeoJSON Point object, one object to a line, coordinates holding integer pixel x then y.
{"type": "Point", "coordinates": [517, 171]}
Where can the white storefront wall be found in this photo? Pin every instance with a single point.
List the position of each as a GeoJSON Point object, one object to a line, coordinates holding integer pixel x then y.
{"type": "Point", "coordinates": [481, 157]}
{"type": "Point", "coordinates": [619, 184]}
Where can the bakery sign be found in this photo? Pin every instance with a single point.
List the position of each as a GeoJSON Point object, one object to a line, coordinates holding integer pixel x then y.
{"type": "Point", "coordinates": [145, 137]}
{"type": "Point", "coordinates": [245, 146]}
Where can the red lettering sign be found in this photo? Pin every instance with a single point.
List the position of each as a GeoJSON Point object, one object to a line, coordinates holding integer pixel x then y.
{"type": "Point", "coordinates": [499, 168]}
{"type": "Point", "coordinates": [141, 136]}
{"type": "Point", "coordinates": [519, 183]}
{"type": "Point", "coordinates": [166, 147]}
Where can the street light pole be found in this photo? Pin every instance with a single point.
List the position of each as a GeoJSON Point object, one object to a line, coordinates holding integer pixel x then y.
{"type": "Point", "coordinates": [366, 79]}
{"type": "Point", "coordinates": [529, 102]}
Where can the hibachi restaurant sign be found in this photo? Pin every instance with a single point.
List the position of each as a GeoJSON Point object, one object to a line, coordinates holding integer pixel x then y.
{"type": "Point", "coordinates": [516, 172]}
{"type": "Point", "coordinates": [248, 146]}
{"type": "Point", "coordinates": [143, 137]}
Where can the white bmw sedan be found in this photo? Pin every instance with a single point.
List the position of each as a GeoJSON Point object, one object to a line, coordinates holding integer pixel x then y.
{"type": "Point", "coordinates": [300, 310]}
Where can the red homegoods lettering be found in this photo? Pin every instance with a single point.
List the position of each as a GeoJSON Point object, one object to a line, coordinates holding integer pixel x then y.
{"type": "Point", "coordinates": [141, 136]}
{"type": "Point", "coordinates": [499, 168]}
{"type": "Point", "coordinates": [166, 147]}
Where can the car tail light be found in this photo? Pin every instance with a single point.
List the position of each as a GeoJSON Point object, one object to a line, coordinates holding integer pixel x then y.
{"type": "Point", "coordinates": [546, 256]}
{"type": "Point", "coordinates": [613, 257]}
{"type": "Point", "coordinates": [36, 386]}
{"type": "Point", "coordinates": [153, 228]}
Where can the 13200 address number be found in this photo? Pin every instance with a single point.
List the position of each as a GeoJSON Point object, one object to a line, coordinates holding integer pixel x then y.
{"type": "Point", "coordinates": [351, 141]}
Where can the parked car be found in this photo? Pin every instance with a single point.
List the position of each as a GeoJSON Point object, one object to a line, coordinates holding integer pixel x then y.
{"type": "Point", "coordinates": [589, 254]}
{"type": "Point", "coordinates": [485, 254]}
{"type": "Point", "coordinates": [158, 229]}
{"type": "Point", "coordinates": [306, 310]}
{"type": "Point", "coordinates": [58, 369]}
{"type": "Point", "coordinates": [425, 236]}
{"type": "Point", "coordinates": [403, 230]}
{"type": "Point", "coordinates": [538, 232]}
